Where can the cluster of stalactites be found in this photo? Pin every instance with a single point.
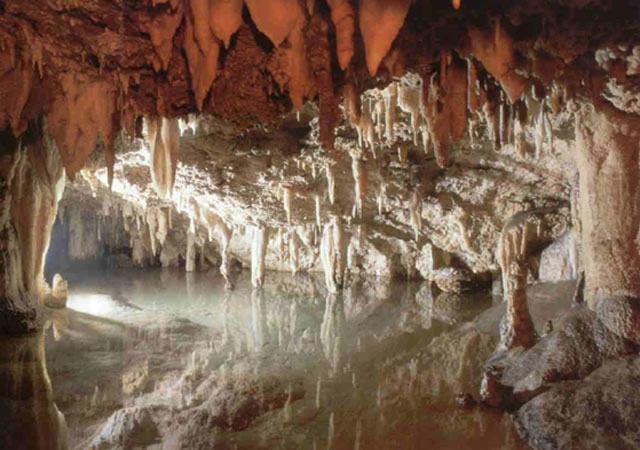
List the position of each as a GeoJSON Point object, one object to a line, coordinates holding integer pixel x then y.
{"type": "Point", "coordinates": [447, 103]}
{"type": "Point", "coordinates": [211, 23]}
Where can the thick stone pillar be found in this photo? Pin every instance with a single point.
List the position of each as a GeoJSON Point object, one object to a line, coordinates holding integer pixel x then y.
{"type": "Point", "coordinates": [31, 184]}
{"type": "Point", "coordinates": [608, 151]}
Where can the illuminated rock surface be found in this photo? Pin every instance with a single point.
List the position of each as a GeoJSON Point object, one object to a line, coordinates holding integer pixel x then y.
{"type": "Point", "coordinates": [367, 144]}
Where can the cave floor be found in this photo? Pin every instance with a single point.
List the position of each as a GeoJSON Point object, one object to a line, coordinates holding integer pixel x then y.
{"type": "Point", "coordinates": [164, 359]}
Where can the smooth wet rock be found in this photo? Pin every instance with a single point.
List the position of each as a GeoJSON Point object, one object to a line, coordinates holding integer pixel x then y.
{"type": "Point", "coordinates": [599, 412]}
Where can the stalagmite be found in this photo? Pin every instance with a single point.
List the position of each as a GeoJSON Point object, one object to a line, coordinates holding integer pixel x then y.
{"type": "Point", "coordinates": [380, 21]}
{"type": "Point", "coordinates": [343, 17]}
{"type": "Point", "coordinates": [164, 142]}
{"type": "Point", "coordinates": [258, 253]}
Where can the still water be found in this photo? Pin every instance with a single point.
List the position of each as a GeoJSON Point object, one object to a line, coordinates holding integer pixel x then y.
{"type": "Point", "coordinates": [167, 360]}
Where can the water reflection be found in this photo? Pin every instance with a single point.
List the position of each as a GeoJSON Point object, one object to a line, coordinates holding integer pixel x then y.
{"type": "Point", "coordinates": [30, 418]}
{"type": "Point", "coordinates": [160, 359]}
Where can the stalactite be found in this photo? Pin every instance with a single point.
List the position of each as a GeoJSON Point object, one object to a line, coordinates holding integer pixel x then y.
{"type": "Point", "coordinates": [225, 17]}
{"type": "Point", "coordinates": [316, 200]}
{"type": "Point", "coordinates": [83, 112]}
{"type": "Point", "coordinates": [276, 18]}
{"type": "Point", "coordinates": [380, 21]}
{"type": "Point", "coordinates": [293, 251]}
{"type": "Point", "coordinates": [519, 128]}
{"type": "Point", "coordinates": [548, 131]}
{"type": "Point", "coordinates": [410, 101]}
{"type": "Point", "coordinates": [286, 202]}
{"type": "Point", "coordinates": [390, 95]}
{"type": "Point", "coordinates": [445, 110]}
{"type": "Point", "coordinates": [415, 213]}
{"type": "Point", "coordinates": [343, 17]}
{"type": "Point", "coordinates": [473, 103]}
{"type": "Point", "coordinates": [163, 225]}
{"type": "Point", "coordinates": [162, 29]}
{"type": "Point", "coordinates": [164, 143]}
{"type": "Point", "coordinates": [351, 104]}
{"type": "Point", "coordinates": [382, 198]}
{"type": "Point", "coordinates": [190, 258]}
{"type": "Point", "coordinates": [331, 183]}
{"type": "Point", "coordinates": [202, 49]}
{"type": "Point", "coordinates": [258, 253]}
{"type": "Point", "coordinates": [153, 225]}
{"type": "Point", "coordinates": [360, 184]}
{"type": "Point", "coordinates": [495, 52]}
{"type": "Point", "coordinates": [333, 254]}
{"type": "Point", "coordinates": [539, 133]}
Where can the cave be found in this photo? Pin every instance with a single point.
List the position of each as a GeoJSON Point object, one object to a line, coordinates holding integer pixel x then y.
{"type": "Point", "coordinates": [306, 224]}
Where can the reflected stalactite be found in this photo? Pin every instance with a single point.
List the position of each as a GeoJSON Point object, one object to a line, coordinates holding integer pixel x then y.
{"type": "Point", "coordinates": [31, 419]}
{"type": "Point", "coordinates": [332, 332]}
{"type": "Point", "coordinates": [258, 320]}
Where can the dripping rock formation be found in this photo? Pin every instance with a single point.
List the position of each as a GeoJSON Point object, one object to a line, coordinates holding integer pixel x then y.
{"type": "Point", "coordinates": [471, 144]}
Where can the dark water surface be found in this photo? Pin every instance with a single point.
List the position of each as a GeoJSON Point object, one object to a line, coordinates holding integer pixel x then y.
{"type": "Point", "coordinates": [167, 360]}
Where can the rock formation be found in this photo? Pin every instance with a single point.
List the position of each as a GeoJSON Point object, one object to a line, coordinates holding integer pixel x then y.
{"type": "Point", "coordinates": [448, 141]}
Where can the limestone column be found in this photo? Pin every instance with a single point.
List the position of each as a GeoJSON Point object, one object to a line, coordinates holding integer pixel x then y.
{"type": "Point", "coordinates": [608, 149]}
{"type": "Point", "coordinates": [31, 184]}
